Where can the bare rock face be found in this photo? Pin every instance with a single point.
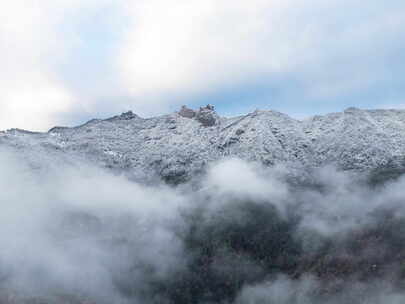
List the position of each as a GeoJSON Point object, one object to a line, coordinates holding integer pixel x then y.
{"type": "Point", "coordinates": [207, 116]}
{"type": "Point", "coordinates": [187, 112]}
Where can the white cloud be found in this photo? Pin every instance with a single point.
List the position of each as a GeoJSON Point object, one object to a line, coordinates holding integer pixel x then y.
{"type": "Point", "coordinates": [29, 92]}
{"type": "Point", "coordinates": [328, 48]}
{"type": "Point", "coordinates": [40, 208]}
{"type": "Point", "coordinates": [189, 46]}
{"type": "Point", "coordinates": [164, 51]}
{"type": "Point", "coordinates": [243, 180]}
{"type": "Point", "coordinates": [80, 230]}
{"type": "Point", "coordinates": [33, 42]}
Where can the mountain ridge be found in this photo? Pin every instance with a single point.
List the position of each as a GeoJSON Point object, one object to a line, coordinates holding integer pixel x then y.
{"type": "Point", "coordinates": [179, 145]}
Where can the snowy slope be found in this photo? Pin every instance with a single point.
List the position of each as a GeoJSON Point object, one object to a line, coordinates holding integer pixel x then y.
{"type": "Point", "coordinates": [178, 145]}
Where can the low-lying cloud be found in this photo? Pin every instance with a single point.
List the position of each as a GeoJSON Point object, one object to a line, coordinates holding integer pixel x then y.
{"type": "Point", "coordinates": [247, 234]}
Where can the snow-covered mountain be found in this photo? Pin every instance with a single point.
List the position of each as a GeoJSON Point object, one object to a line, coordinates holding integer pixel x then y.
{"type": "Point", "coordinates": [239, 235]}
{"type": "Point", "coordinates": [178, 145]}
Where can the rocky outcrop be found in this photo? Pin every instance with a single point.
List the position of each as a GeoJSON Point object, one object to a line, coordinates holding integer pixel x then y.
{"type": "Point", "coordinates": [207, 116]}
{"type": "Point", "coordinates": [187, 112]}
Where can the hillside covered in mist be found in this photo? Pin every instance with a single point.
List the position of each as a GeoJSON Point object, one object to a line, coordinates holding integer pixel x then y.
{"type": "Point", "coordinates": [191, 207]}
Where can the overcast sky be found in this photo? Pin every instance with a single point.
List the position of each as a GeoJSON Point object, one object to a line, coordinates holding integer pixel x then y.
{"type": "Point", "coordinates": [63, 62]}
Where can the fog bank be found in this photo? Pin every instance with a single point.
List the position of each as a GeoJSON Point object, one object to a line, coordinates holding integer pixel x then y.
{"type": "Point", "coordinates": [247, 235]}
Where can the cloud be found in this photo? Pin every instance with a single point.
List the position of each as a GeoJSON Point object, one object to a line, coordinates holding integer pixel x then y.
{"type": "Point", "coordinates": [317, 50]}
{"type": "Point", "coordinates": [36, 38]}
{"type": "Point", "coordinates": [57, 226]}
{"type": "Point", "coordinates": [65, 61]}
{"type": "Point", "coordinates": [195, 46]}
{"type": "Point", "coordinates": [79, 233]}
{"type": "Point", "coordinates": [225, 179]}
{"type": "Point", "coordinates": [29, 90]}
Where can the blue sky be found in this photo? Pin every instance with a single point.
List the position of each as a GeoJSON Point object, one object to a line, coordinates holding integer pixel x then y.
{"type": "Point", "coordinates": [67, 61]}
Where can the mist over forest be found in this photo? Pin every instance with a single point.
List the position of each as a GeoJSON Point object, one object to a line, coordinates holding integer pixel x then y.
{"type": "Point", "coordinates": [239, 234]}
